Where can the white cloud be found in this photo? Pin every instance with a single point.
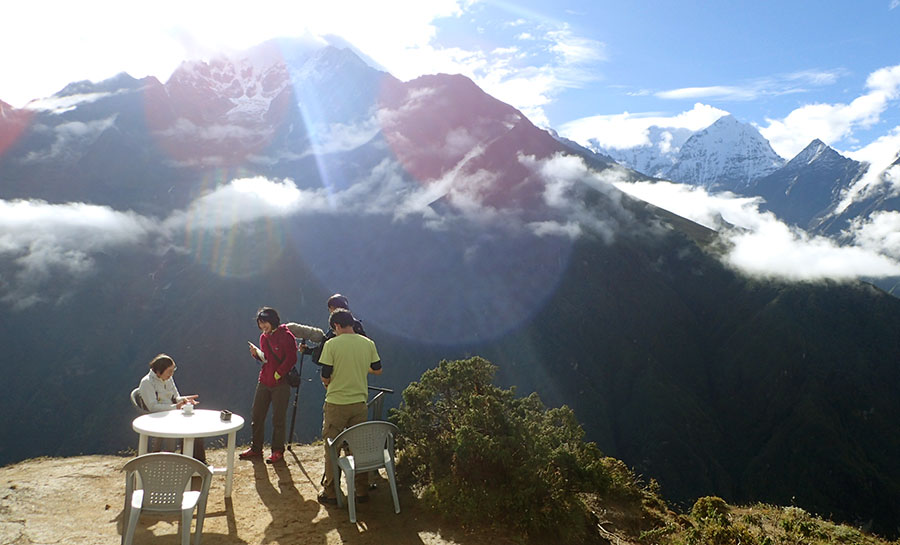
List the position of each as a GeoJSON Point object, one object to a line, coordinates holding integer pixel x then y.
{"type": "Point", "coordinates": [622, 131]}
{"type": "Point", "coordinates": [880, 155]}
{"type": "Point", "coordinates": [574, 49]}
{"type": "Point", "coordinates": [520, 22]}
{"type": "Point", "coordinates": [565, 179]}
{"type": "Point", "coordinates": [753, 89]}
{"type": "Point", "coordinates": [513, 50]}
{"type": "Point", "coordinates": [245, 200]}
{"type": "Point", "coordinates": [525, 77]}
{"type": "Point", "coordinates": [713, 210]}
{"type": "Point", "coordinates": [811, 77]}
{"type": "Point", "coordinates": [59, 105]}
{"type": "Point", "coordinates": [721, 92]}
{"type": "Point", "coordinates": [85, 224]}
{"type": "Point", "coordinates": [774, 250]}
{"type": "Point", "coordinates": [339, 137]}
{"type": "Point", "coordinates": [43, 240]}
{"type": "Point", "coordinates": [188, 130]}
{"type": "Point", "coordinates": [50, 247]}
{"type": "Point", "coordinates": [71, 135]}
{"type": "Point", "coordinates": [761, 245]}
{"type": "Point", "coordinates": [894, 4]}
{"type": "Point", "coordinates": [569, 229]}
{"type": "Point", "coordinates": [880, 232]}
{"type": "Point", "coordinates": [833, 122]}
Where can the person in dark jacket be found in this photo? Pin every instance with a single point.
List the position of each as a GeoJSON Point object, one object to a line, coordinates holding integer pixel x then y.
{"type": "Point", "coordinates": [316, 335]}
{"type": "Point", "coordinates": [278, 353]}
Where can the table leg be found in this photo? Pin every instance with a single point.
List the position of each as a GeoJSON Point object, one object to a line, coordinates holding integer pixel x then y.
{"type": "Point", "coordinates": [229, 472]}
{"type": "Point", "coordinates": [142, 444]}
{"type": "Point", "coordinates": [187, 447]}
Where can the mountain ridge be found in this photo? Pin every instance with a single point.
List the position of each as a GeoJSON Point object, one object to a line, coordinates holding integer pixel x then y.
{"type": "Point", "coordinates": [807, 188]}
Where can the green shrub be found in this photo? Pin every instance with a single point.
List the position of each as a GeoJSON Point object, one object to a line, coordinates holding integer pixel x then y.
{"type": "Point", "coordinates": [846, 534]}
{"type": "Point", "coordinates": [712, 525]}
{"type": "Point", "coordinates": [798, 524]}
{"type": "Point", "coordinates": [709, 507]}
{"type": "Point", "coordinates": [657, 535]}
{"type": "Point", "coordinates": [479, 454]}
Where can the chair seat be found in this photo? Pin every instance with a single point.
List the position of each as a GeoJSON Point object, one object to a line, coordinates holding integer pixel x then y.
{"type": "Point", "coordinates": [349, 462]}
{"type": "Point", "coordinates": [188, 501]}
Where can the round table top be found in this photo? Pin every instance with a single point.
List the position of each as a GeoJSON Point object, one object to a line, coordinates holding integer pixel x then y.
{"type": "Point", "coordinates": [203, 423]}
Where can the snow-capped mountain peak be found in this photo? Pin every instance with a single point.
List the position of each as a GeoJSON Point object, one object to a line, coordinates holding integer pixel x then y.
{"type": "Point", "coordinates": [726, 155]}
{"type": "Point", "coordinates": [815, 150]}
{"type": "Point", "coordinates": [241, 88]}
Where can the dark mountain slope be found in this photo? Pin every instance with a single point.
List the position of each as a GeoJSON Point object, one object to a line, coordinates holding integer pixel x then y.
{"type": "Point", "coordinates": [807, 188]}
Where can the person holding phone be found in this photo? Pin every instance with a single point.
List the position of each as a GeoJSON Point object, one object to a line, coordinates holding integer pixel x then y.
{"type": "Point", "coordinates": [277, 351]}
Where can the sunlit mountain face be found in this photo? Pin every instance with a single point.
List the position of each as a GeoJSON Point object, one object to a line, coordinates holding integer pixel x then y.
{"type": "Point", "coordinates": [139, 216]}
{"type": "Point", "coordinates": [12, 123]}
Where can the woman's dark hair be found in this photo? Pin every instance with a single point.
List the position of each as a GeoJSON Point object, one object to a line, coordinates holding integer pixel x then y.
{"type": "Point", "coordinates": [268, 314]}
{"type": "Point", "coordinates": [160, 363]}
{"type": "Point", "coordinates": [338, 301]}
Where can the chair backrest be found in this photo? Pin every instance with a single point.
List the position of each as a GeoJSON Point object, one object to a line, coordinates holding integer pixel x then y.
{"type": "Point", "coordinates": [138, 401]}
{"type": "Point", "coordinates": [368, 443]}
{"type": "Point", "coordinates": [165, 476]}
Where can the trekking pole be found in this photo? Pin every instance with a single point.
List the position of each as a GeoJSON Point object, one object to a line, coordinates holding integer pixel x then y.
{"type": "Point", "coordinates": [290, 440]}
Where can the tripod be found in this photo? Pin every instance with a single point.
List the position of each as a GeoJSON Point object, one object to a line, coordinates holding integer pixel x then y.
{"type": "Point", "coordinates": [290, 437]}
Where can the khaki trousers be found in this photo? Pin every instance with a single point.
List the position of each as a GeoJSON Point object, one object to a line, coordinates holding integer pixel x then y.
{"type": "Point", "coordinates": [337, 418]}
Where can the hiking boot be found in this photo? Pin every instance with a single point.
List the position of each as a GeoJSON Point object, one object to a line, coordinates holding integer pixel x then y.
{"type": "Point", "coordinates": [250, 453]}
{"type": "Point", "coordinates": [325, 499]}
{"type": "Point", "coordinates": [275, 457]}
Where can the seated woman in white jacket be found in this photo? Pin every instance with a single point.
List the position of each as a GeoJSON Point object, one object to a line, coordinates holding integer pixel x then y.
{"type": "Point", "coordinates": [159, 393]}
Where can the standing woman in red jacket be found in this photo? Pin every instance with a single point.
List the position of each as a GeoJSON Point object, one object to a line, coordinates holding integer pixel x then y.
{"type": "Point", "coordinates": [278, 353]}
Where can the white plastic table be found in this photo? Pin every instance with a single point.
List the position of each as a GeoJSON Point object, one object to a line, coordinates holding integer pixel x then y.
{"type": "Point", "coordinates": [203, 423]}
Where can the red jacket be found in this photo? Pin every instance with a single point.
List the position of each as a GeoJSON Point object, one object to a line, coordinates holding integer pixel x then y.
{"type": "Point", "coordinates": [280, 350]}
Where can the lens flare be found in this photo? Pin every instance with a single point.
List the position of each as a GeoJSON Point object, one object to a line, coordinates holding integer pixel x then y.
{"type": "Point", "coordinates": [221, 235]}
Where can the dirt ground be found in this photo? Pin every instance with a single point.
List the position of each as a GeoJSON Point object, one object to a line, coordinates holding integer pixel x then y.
{"type": "Point", "coordinates": [80, 500]}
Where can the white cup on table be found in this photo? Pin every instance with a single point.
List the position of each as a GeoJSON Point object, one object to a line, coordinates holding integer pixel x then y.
{"type": "Point", "coordinates": [188, 408]}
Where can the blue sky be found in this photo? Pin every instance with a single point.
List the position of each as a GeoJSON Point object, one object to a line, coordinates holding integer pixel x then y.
{"type": "Point", "coordinates": [563, 63]}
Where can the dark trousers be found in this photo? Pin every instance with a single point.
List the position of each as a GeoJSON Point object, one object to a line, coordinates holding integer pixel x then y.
{"type": "Point", "coordinates": [158, 444]}
{"type": "Point", "coordinates": [278, 397]}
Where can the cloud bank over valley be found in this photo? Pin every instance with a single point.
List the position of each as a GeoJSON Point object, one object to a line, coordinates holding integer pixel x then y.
{"type": "Point", "coordinates": [761, 245]}
{"type": "Point", "coordinates": [44, 244]}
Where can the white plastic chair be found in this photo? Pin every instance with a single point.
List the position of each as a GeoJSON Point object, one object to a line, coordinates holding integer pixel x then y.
{"type": "Point", "coordinates": [138, 401]}
{"type": "Point", "coordinates": [165, 477]}
{"type": "Point", "coordinates": [371, 446]}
